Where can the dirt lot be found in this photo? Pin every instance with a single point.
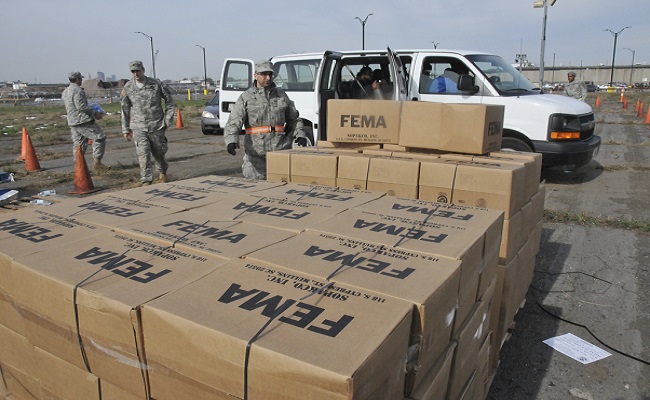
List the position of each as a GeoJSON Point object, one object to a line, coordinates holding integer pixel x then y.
{"type": "Point", "coordinates": [591, 275]}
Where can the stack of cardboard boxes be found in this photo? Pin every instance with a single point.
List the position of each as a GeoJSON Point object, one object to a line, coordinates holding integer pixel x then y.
{"type": "Point", "coordinates": [447, 153]}
{"type": "Point", "coordinates": [223, 288]}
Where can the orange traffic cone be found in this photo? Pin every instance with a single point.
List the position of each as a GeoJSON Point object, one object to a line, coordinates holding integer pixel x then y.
{"type": "Point", "coordinates": [82, 182]}
{"type": "Point", "coordinates": [23, 147]}
{"type": "Point", "coordinates": [640, 113]}
{"type": "Point", "coordinates": [622, 96]}
{"type": "Point", "coordinates": [647, 116]}
{"type": "Point", "coordinates": [597, 101]}
{"type": "Point", "coordinates": [625, 104]}
{"type": "Point", "coordinates": [31, 160]}
{"type": "Point", "coordinates": [179, 121]}
{"type": "Point", "coordinates": [636, 106]}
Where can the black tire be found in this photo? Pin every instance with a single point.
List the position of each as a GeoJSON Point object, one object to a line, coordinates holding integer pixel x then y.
{"type": "Point", "coordinates": [207, 131]}
{"type": "Point", "coordinates": [515, 144]}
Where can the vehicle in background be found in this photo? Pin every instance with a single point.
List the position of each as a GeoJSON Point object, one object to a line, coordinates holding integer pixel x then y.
{"type": "Point", "coordinates": [559, 127]}
{"type": "Point", "coordinates": [210, 117]}
{"type": "Point", "coordinates": [591, 87]}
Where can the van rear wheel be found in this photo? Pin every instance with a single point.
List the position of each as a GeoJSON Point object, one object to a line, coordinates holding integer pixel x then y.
{"type": "Point", "coordinates": [515, 144]}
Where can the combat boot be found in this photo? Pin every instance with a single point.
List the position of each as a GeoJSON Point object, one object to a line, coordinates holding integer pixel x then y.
{"type": "Point", "coordinates": [163, 178]}
{"type": "Point", "coordinates": [99, 167]}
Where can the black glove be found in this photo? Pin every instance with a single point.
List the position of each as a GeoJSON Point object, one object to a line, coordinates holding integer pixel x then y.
{"type": "Point", "coordinates": [302, 142]}
{"type": "Point", "coordinates": [232, 147]}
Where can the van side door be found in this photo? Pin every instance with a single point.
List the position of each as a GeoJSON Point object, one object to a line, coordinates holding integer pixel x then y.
{"type": "Point", "coordinates": [435, 77]}
{"type": "Point", "coordinates": [236, 78]}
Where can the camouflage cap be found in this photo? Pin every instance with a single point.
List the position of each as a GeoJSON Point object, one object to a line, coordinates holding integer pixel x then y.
{"type": "Point", "coordinates": [571, 73]}
{"type": "Point", "coordinates": [263, 66]}
{"type": "Point", "coordinates": [136, 66]}
{"type": "Point", "coordinates": [75, 75]}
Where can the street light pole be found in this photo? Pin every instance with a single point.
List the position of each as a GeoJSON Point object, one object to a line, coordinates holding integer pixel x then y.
{"type": "Point", "coordinates": [544, 4]}
{"type": "Point", "coordinates": [363, 30]}
{"type": "Point", "coordinates": [205, 72]}
{"type": "Point", "coordinates": [153, 60]}
{"type": "Point", "coordinates": [632, 66]}
{"type": "Point", "coordinates": [611, 77]}
{"type": "Point", "coordinates": [553, 68]}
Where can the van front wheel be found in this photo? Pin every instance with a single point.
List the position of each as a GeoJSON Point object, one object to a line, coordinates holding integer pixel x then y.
{"type": "Point", "coordinates": [515, 144]}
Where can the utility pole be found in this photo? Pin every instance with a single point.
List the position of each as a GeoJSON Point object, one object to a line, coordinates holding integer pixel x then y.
{"type": "Point", "coordinates": [543, 4]}
{"type": "Point", "coordinates": [205, 73]}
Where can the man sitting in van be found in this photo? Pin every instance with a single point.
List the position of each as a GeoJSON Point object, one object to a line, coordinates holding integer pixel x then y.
{"type": "Point", "coordinates": [445, 83]}
{"type": "Point", "coordinates": [365, 86]}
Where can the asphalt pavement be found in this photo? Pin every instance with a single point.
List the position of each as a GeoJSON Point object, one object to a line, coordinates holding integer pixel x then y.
{"type": "Point", "coordinates": [591, 278]}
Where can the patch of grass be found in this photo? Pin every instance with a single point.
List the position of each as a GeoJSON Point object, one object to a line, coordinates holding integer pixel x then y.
{"type": "Point", "coordinates": [582, 219]}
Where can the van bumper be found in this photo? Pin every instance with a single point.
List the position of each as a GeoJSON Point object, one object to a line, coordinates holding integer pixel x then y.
{"type": "Point", "coordinates": [567, 154]}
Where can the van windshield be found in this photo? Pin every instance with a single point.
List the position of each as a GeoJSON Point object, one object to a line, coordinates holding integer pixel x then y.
{"type": "Point", "coordinates": [505, 78]}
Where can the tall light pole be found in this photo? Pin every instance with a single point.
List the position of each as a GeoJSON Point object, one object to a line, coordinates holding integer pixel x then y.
{"type": "Point", "coordinates": [632, 66]}
{"type": "Point", "coordinates": [544, 4]}
{"type": "Point", "coordinates": [611, 77]}
{"type": "Point", "coordinates": [554, 68]}
{"type": "Point", "coordinates": [153, 60]}
{"type": "Point", "coordinates": [205, 72]}
{"type": "Point", "coordinates": [363, 30]}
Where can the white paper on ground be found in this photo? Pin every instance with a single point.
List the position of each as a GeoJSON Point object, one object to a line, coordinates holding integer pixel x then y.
{"type": "Point", "coordinates": [576, 348]}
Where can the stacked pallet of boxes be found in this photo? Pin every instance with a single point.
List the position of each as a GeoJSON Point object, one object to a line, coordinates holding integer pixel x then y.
{"type": "Point", "coordinates": [437, 152]}
{"type": "Point", "coordinates": [223, 288]}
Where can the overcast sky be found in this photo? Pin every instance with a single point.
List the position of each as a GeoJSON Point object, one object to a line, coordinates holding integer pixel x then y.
{"type": "Point", "coordinates": [43, 40]}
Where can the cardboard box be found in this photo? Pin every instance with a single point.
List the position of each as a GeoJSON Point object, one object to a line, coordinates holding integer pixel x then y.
{"type": "Point", "coordinates": [505, 288]}
{"type": "Point", "coordinates": [21, 385]}
{"type": "Point", "coordinates": [534, 170]}
{"type": "Point", "coordinates": [112, 392]}
{"type": "Point", "coordinates": [395, 177]}
{"type": "Point", "coordinates": [363, 121]}
{"type": "Point", "coordinates": [513, 237]}
{"type": "Point", "coordinates": [470, 340]}
{"type": "Point", "coordinates": [230, 184]}
{"type": "Point", "coordinates": [538, 203]}
{"type": "Point", "coordinates": [93, 290]}
{"type": "Point", "coordinates": [316, 168]}
{"type": "Point", "coordinates": [329, 196]}
{"type": "Point", "coordinates": [185, 195]}
{"type": "Point", "coordinates": [353, 171]}
{"type": "Point", "coordinates": [436, 181]}
{"type": "Point", "coordinates": [278, 166]}
{"type": "Point", "coordinates": [275, 212]}
{"type": "Point", "coordinates": [62, 380]}
{"type": "Point", "coordinates": [343, 146]}
{"type": "Point", "coordinates": [462, 128]}
{"type": "Point", "coordinates": [490, 185]}
{"type": "Point", "coordinates": [111, 210]}
{"type": "Point", "coordinates": [434, 385]}
{"type": "Point", "coordinates": [199, 232]}
{"type": "Point", "coordinates": [429, 283]}
{"type": "Point", "coordinates": [307, 338]}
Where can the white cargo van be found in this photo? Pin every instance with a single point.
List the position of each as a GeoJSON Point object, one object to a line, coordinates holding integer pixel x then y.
{"type": "Point", "coordinates": [559, 127]}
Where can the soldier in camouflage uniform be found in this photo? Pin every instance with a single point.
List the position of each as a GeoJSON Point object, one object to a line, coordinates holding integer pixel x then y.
{"type": "Point", "coordinates": [575, 89]}
{"type": "Point", "coordinates": [270, 119]}
{"type": "Point", "coordinates": [145, 119]}
{"type": "Point", "coordinates": [81, 119]}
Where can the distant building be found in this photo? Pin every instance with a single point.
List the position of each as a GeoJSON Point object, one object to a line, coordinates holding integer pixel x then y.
{"type": "Point", "coordinates": [101, 76]}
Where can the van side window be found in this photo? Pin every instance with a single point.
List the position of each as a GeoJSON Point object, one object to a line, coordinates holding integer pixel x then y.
{"type": "Point", "coordinates": [296, 76]}
{"type": "Point", "coordinates": [439, 75]}
{"type": "Point", "coordinates": [238, 76]}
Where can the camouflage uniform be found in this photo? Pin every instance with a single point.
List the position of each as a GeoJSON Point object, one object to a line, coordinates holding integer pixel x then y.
{"type": "Point", "coordinates": [576, 89]}
{"type": "Point", "coordinates": [82, 122]}
{"type": "Point", "coordinates": [143, 113]}
{"type": "Point", "coordinates": [258, 110]}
